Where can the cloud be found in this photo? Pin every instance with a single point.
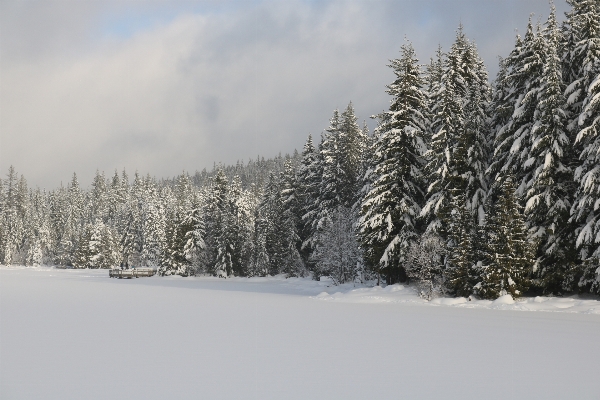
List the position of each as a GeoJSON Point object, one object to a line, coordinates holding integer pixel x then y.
{"type": "Point", "coordinates": [171, 86]}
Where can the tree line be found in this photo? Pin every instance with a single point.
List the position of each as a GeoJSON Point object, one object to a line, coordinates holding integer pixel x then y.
{"type": "Point", "coordinates": [465, 187]}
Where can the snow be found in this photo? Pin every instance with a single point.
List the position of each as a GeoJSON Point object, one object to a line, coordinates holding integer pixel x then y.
{"type": "Point", "coordinates": [399, 294]}
{"type": "Point", "coordinates": [77, 334]}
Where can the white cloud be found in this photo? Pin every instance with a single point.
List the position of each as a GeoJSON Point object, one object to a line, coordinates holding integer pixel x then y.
{"type": "Point", "coordinates": [201, 88]}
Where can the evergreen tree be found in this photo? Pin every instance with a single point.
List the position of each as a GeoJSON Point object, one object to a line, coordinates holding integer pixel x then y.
{"type": "Point", "coordinates": [461, 273]}
{"type": "Point", "coordinates": [222, 263]}
{"type": "Point", "coordinates": [425, 263]}
{"type": "Point", "coordinates": [152, 234]}
{"type": "Point", "coordinates": [260, 262]}
{"type": "Point", "coordinates": [12, 221]}
{"type": "Point", "coordinates": [446, 125]}
{"type": "Point", "coordinates": [388, 222]}
{"type": "Point", "coordinates": [519, 90]}
{"type": "Point", "coordinates": [509, 251]}
{"type": "Point", "coordinates": [581, 62]}
{"type": "Point", "coordinates": [102, 247]}
{"type": "Point", "coordinates": [271, 212]}
{"type": "Point", "coordinates": [309, 179]}
{"type": "Point", "coordinates": [586, 208]}
{"type": "Point", "coordinates": [80, 256]}
{"type": "Point", "coordinates": [291, 263]}
{"type": "Point", "coordinates": [98, 198]}
{"type": "Point", "coordinates": [550, 187]}
{"type": "Point", "coordinates": [337, 254]}
{"type": "Point", "coordinates": [351, 146]}
{"type": "Point", "coordinates": [174, 260]}
{"type": "Point", "coordinates": [580, 48]}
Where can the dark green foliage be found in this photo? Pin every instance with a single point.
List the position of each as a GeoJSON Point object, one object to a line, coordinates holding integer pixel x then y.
{"type": "Point", "coordinates": [509, 250]}
{"type": "Point", "coordinates": [461, 272]}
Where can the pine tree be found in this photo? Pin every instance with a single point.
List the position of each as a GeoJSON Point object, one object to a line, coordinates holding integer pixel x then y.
{"type": "Point", "coordinates": [550, 188]}
{"type": "Point", "coordinates": [99, 203]}
{"type": "Point", "coordinates": [309, 179]}
{"type": "Point", "coordinates": [476, 143]}
{"type": "Point", "coordinates": [222, 263]}
{"type": "Point", "coordinates": [12, 223]}
{"type": "Point", "coordinates": [447, 122]}
{"type": "Point", "coordinates": [271, 213]}
{"type": "Point", "coordinates": [260, 262]}
{"type": "Point", "coordinates": [131, 237]}
{"type": "Point", "coordinates": [337, 254]}
{"type": "Point", "coordinates": [580, 48]}
{"type": "Point", "coordinates": [331, 183]}
{"type": "Point", "coordinates": [241, 205]}
{"type": "Point", "coordinates": [461, 273]}
{"type": "Point", "coordinates": [341, 153]}
{"type": "Point", "coordinates": [153, 218]}
{"type": "Point", "coordinates": [586, 208]}
{"type": "Point", "coordinates": [102, 247]}
{"type": "Point", "coordinates": [80, 256]}
{"type": "Point", "coordinates": [425, 263]}
{"type": "Point", "coordinates": [519, 90]}
{"type": "Point", "coordinates": [38, 240]}
{"type": "Point", "coordinates": [509, 251]}
{"type": "Point", "coordinates": [581, 63]}
{"type": "Point", "coordinates": [174, 260]}
{"type": "Point", "coordinates": [351, 146]}
{"type": "Point", "coordinates": [388, 222]}
{"type": "Point", "coordinates": [292, 263]}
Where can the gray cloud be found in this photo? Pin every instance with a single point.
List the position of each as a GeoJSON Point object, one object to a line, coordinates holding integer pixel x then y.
{"type": "Point", "coordinates": [166, 87]}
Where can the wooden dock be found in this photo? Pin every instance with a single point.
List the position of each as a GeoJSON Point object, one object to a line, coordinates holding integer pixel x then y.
{"type": "Point", "coordinates": [129, 273]}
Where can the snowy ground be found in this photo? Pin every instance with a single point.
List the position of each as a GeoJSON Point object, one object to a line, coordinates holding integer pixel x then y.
{"type": "Point", "coordinates": [77, 334]}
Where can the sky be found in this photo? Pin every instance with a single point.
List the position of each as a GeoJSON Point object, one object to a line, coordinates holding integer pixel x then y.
{"type": "Point", "coordinates": [164, 87]}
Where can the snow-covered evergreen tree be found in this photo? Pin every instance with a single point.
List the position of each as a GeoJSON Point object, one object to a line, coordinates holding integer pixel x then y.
{"type": "Point", "coordinates": [581, 62]}
{"type": "Point", "coordinates": [291, 262]}
{"type": "Point", "coordinates": [102, 247]}
{"type": "Point", "coordinates": [509, 250]}
{"type": "Point", "coordinates": [517, 89]}
{"type": "Point", "coordinates": [337, 254]}
{"type": "Point", "coordinates": [550, 187]}
{"type": "Point", "coordinates": [260, 260]}
{"type": "Point", "coordinates": [98, 198]}
{"type": "Point", "coordinates": [388, 222]}
{"type": "Point", "coordinates": [461, 272]}
{"type": "Point", "coordinates": [351, 146]}
{"type": "Point", "coordinates": [154, 225]}
{"type": "Point", "coordinates": [221, 264]}
{"type": "Point", "coordinates": [13, 222]}
{"type": "Point", "coordinates": [310, 172]}
{"type": "Point", "coordinates": [446, 125]}
{"type": "Point", "coordinates": [425, 263]}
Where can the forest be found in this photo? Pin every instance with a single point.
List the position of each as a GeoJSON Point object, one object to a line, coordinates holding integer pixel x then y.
{"type": "Point", "coordinates": [467, 187]}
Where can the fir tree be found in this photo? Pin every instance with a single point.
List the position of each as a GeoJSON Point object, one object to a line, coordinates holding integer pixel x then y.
{"type": "Point", "coordinates": [260, 262]}
{"type": "Point", "coordinates": [351, 146]}
{"type": "Point", "coordinates": [309, 178]}
{"type": "Point", "coordinates": [389, 211]}
{"type": "Point", "coordinates": [550, 187]}
{"type": "Point", "coordinates": [337, 254]}
{"type": "Point", "coordinates": [446, 125]}
{"type": "Point", "coordinates": [461, 273]}
{"type": "Point", "coordinates": [518, 89]}
{"type": "Point", "coordinates": [102, 247]}
{"type": "Point", "coordinates": [509, 250]}
{"type": "Point", "coordinates": [222, 263]}
{"type": "Point", "coordinates": [425, 263]}
{"type": "Point", "coordinates": [581, 61]}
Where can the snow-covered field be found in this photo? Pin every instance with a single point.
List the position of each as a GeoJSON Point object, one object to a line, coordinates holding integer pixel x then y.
{"type": "Point", "coordinates": [77, 334]}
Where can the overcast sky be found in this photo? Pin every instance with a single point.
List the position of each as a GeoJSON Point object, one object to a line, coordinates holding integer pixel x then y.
{"type": "Point", "coordinates": [163, 87]}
